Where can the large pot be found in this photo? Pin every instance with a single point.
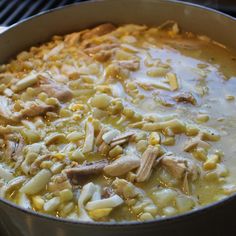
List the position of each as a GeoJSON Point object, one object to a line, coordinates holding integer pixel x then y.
{"type": "Point", "coordinates": [216, 219]}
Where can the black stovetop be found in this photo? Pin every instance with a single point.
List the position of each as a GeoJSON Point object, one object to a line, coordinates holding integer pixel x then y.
{"type": "Point", "coordinates": [16, 10]}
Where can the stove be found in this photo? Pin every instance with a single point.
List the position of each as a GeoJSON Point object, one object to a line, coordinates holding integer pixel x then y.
{"type": "Point", "coordinates": [16, 10]}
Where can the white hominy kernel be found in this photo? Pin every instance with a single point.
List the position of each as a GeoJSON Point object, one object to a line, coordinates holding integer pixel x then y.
{"type": "Point", "coordinates": [52, 204]}
{"type": "Point", "coordinates": [169, 211]}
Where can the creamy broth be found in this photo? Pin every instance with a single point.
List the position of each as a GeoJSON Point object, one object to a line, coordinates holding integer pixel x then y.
{"type": "Point", "coordinates": [127, 123]}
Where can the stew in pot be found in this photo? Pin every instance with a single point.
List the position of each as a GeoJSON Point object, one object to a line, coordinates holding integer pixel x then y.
{"type": "Point", "coordinates": [128, 123]}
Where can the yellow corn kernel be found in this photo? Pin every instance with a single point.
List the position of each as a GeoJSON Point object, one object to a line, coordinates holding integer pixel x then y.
{"type": "Point", "coordinates": [52, 101]}
{"type": "Point", "coordinates": [99, 213]}
{"type": "Point", "coordinates": [77, 156]}
{"type": "Point", "coordinates": [31, 136]}
{"type": "Point", "coordinates": [42, 96]}
{"type": "Point", "coordinates": [200, 154]}
{"type": "Point", "coordinates": [65, 112]}
{"type": "Point", "coordinates": [131, 177]}
{"type": "Point", "coordinates": [101, 101]}
{"type": "Point", "coordinates": [30, 91]}
{"type": "Point", "coordinates": [154, 138]}
{"type": "Point", "coordinates": [38, 202]}
{"type": "Point", "coordinates": [128, 112]}
{"type": "Point", "coordinates": [66, 195]}
{"type": "Point", "coordinates": [117, 150]}
{"type": "Point", "coordinates": [169, 141]}
{"type": "Point", "coordinates": [191, 130]}
{"type": "Point", "coordinates": [59, 156]}
{"type": "Point", "coordinates": [77, 117]}
{"type": "Point", "coordinates": [74, 136]}
{"type": "Point", "coordinates": [211, 162]}
{"type": "Point", "coordinates": [230, 97]}
{"type": "Point", "coordinates": [103, 88]}
{"type": "Point", "coordinates": [202, 118]}
{"type": "Point", "coordinates": [46, 164]}
{"type": "Point", "coordinates": [77, 107]}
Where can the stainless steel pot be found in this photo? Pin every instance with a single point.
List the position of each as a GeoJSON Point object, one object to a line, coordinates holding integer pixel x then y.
{"type": "Point", "coordinates": [216, 219]}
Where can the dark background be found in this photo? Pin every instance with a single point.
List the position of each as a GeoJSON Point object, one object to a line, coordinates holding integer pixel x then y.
{"type": "Point", "coordinates": [12, 11]}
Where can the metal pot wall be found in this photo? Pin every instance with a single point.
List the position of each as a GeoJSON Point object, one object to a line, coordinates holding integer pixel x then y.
{"type": "Point", "coordinates": [216, 219]}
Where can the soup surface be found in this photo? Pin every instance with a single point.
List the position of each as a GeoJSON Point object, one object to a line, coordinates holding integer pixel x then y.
{"type": "Point", "coordinates": [128, 123]}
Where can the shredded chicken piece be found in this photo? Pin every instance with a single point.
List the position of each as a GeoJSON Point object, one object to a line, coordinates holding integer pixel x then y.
{"type": "Point", "coordinates": [107, 192]}
{"type": "Point", "coordinates": [9, 129]}
{"type": "Point", "coordinates": [147, 162]}
{"type": "Point", "coordinates": [89, 139]}
{"type": "Point", "coordinates": [125, 188]}
{"type": "Point", "coordinates": [35, 166]}
{"type": "Point", "coordinates": [118, 139]}
{"type": "Point", "coordinates": [52, 89]}
{"type": "Point", "coordinates": [98, 31]}
{"type": "Point", "coordinates": [99, 139]}
{"type": "Point", "coordinates": [6, 109]}
{"type": "Point", "coordinates": [32, 109]}
{"type": "Point", "coordinates": [179, 166]}
{"type": "Point", "coordinates": [12, 184]}
{"type": "Point", "coordinates": [88, 168]}
{"type": "Point", "coordinates": [103, 52]}
{"type": "Point", "coordinates": [58, 183]}
{"type": "Point", "coordinates": [72, 39]}
{"type": "Point", "coordinates": [185, 97]}
{"type": "Point", "coordinates": [104, 148]}
{"type": "Point", "coordinates": [14, 148]}
{"type": "Point", "coordinates": [122, 165]}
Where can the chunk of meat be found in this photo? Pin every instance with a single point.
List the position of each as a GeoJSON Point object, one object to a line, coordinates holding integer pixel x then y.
{"type": "Point", "coordinates": [6, 109]}
{"type": "Point", "coordinates": [52, 89]}
{"type": "Point", "coordinates": [35, 166]}
{"type": "Point", "coordinates": [59, 182]}
{"type": "Point", "coordinates": [98, 31]}
{"type": "Point", "coordinates": [89, 168]}
{"type": "Point", "coordinates": [122, 165]}
{"type": "Point", "coordinates": [186, 97]}
{"type": "Point", "coordinates": [32, 109]}
{"type": "Point", "coordinates": [179, 166]}
{"type": "Point", "coordinates": [107, 192]}
{"type": "Point", "coordinates": [147, 162]}
{"type": "Point", "coordinates": [99, 139]}
{"type": "Point", "coordinates": [103, 52]}
{"type": "Point", "coordinates": [14, 148]}
{"type": "Point", "coordinates": [126, 189]}
{"type": "Point", "coordinates": [29, 109]}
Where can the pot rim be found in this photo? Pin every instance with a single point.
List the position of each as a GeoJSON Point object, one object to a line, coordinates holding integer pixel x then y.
{"type": "Point", "coordinates": [179, 217]}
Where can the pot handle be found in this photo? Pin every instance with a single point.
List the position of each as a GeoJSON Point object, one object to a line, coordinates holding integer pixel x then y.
{"type": "Point", "coordinates": [3, 28]}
